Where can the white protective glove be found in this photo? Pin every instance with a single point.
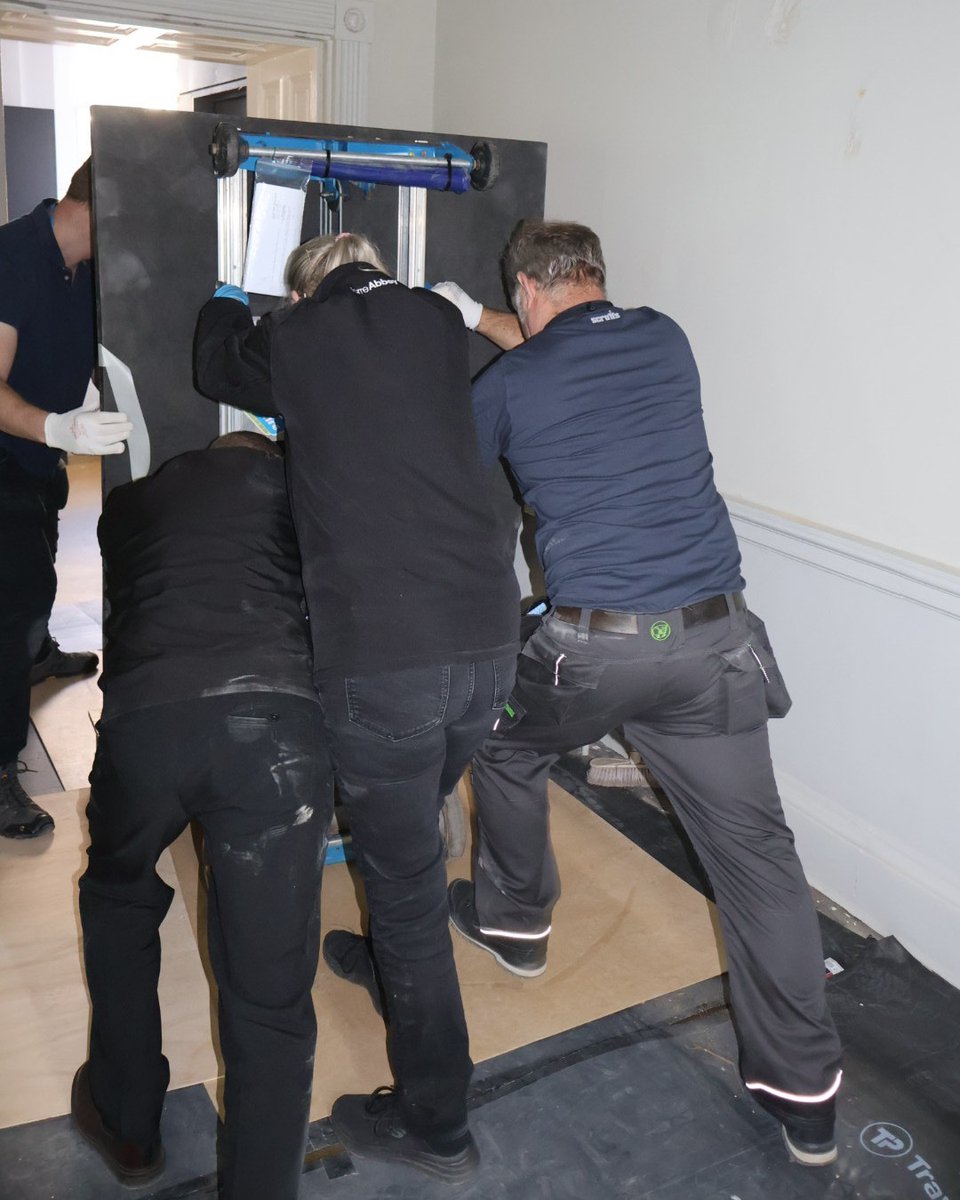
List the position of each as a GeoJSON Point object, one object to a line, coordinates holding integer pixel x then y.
{"type": "Point", "coordinates": [471, 310]}
{"type": "Point", "coordinates": [87, 430]}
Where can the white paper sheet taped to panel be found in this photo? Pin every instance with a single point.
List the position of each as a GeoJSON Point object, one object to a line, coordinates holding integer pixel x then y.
{"type": "Point", "coordinates": [127, 401]}
{"type": "Point", "coordinates": [275, 223]}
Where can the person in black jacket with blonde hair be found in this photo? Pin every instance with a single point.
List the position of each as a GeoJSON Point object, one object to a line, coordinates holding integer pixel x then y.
{"type": "Point", "coordinates": [413, 607]}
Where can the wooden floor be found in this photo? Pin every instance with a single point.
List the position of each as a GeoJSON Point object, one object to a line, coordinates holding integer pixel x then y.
{"type": "Point", "coordinates": [627, 929]}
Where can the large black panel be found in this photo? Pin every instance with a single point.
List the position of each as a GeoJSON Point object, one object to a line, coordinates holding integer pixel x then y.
{"type": "Point", "coordinates": [155, 216]}
{"type": "Point", "coordinates": [155, 237]}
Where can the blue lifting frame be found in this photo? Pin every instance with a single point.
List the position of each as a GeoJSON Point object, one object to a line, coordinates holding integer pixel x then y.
{"type": "Point", "coordinates": [439, 166]}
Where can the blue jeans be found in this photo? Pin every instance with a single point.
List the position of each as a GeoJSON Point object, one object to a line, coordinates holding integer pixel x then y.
{"type": "Point", "coordinates": [401, 740]}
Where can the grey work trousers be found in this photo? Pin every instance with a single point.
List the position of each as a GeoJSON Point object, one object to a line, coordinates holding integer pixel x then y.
{"type": "Point", "coordinates": [694, 701]}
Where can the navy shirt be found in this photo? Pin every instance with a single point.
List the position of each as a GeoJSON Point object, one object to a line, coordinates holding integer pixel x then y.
{"type": "Point", "coordinates": [599, 418]}
{"type": "Point", "coordinates": [53, 315]}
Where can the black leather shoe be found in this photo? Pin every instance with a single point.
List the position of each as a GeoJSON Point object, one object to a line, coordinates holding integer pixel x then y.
{"type": "Point", "coordinates": [61, 664]}
{"type": "Point", "coordinates": [371, 1127]}
{"type": "Point", "coordinates": [19, 816]}
{"type": "Point", "coordinates": [807, 1129]}
{"type": "Point", "coordinates": [132, 1165]}
{"type": "Point", "coordinates": [525, 956]}
{"type": "Point", "coordinates": [348, 957]}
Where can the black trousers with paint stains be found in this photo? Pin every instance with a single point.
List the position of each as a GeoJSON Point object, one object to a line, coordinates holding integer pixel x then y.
{"type": "Point", "coordinates": [254, 771]}
{"type": "Point", "coordinates": [401, 740]}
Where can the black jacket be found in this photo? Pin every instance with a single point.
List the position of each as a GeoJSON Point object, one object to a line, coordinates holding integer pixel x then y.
{"type": "Point", "coordinates": [202, 582]}
{"type": "Point", "coordinates": [405, 562]}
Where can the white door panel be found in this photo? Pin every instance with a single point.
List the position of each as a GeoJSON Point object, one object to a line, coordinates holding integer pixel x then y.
{"type": "Point", "coordinates": [289, 85]}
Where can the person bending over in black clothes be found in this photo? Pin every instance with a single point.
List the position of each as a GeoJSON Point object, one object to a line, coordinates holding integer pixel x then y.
{"type": "Point", "coordinates": [209, 713]}
{"type": "Point", "coordinates": [413, 604]}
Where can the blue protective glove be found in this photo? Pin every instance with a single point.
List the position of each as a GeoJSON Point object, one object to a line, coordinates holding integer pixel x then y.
{"type": "Point", "coordinates": [230, 291]}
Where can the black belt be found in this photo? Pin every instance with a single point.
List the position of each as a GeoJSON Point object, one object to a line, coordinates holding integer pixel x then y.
{"type": "Point", "coordinates": [710, 609]}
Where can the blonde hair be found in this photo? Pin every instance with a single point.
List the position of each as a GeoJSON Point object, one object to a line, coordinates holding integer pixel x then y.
{"type": "Point", "coordinates": [310, 263]}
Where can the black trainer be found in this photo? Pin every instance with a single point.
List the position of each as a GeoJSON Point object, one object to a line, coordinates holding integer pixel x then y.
{"type": "Point", "coordinates": [348, 956]}
{"type": "Point", "coordinates": [807, 1129]}
{"type": "Point", "coordinates": [61, 664]}
{"type": "Point", "coordinates": [132, 1165]}
{"type": "Point", "coordinates": [521, 956]}
{"type": "Point", "coordinates": [19, 816]}
{"type": "Point", "coordinates": [371, 1127]}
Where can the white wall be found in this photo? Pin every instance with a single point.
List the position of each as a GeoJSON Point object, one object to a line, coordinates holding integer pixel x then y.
{"type": "Point", "coordinates": [402, 65]}
{"type": "Point", "coordinates": [868, 759]}
{"type": "Point", "coordinates": [781, 176]}
{"type": "Point", "coordinates": [27, 71]}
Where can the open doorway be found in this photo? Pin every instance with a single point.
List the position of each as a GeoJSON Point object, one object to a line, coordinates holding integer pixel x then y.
{"type": "Point", "coordinates": [224, 102]}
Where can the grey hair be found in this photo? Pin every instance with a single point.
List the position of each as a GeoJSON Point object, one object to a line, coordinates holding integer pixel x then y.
{"type": "Point", "coordinates": [310, 263]}
{"type": "Point", "coordinates": [556, 254]}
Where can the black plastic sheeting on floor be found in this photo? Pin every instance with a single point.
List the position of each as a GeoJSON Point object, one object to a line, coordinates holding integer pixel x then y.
{"type": "Point", "coordinates": [48, 1160]}
{"type": "Point", "coordinates": [646, 1104]}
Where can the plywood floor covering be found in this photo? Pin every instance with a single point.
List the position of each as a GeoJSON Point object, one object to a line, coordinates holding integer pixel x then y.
{"type": "Point", "coordinates": [625, 930]}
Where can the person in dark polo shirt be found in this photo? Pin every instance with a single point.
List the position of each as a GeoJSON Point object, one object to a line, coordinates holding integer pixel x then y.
{"type": "Point", "coordinates": [598, 414]}
{"type": "Point", "coordinates": [47, 353]}
{"type": "Point", "coordinates": [414, 613]}
{"type": "Point", "coordinates": [209, 713]}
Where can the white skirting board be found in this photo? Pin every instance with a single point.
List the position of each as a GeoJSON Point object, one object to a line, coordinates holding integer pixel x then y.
{"type": "Point", "coordinates": [868, 760]}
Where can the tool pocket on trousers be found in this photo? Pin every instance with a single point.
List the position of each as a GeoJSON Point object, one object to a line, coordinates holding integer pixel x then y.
{"type": "Point", "coordinates": [400, 705]}
{"type": "Point", "coordinates": [743, 692]}
{"type": "Point", "coordinates": [778, 698]}
{"type": "Point", "coordinates": [753, 688]}
{"type": "Point", "coordinates": [550, 682]}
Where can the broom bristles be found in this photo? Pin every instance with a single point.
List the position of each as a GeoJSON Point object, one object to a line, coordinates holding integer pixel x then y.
{"type": "Point", "coordinates": [615, 772]}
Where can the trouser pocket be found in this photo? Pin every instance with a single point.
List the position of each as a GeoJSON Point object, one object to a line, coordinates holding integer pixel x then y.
{"type": "Point", "coordinates": [752, 685]}
{"type": "Point", "coordinates": [551, 682]}
{"type": "Point", "coordinates": [775, 690]}
{"type": "Point", "coordinates": [743, 691]}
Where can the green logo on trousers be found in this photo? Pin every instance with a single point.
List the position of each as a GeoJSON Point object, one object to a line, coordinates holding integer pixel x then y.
{"type": "Point", "coordinates": [660, 631]}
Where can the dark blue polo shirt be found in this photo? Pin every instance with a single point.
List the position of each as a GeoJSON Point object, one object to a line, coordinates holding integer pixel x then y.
{"type": "Point", "coordinates": [54, 319]}
{"type": "Point", "coordinates": [599, 418]}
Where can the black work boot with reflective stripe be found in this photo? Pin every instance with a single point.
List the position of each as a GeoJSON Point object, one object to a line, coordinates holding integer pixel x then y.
{"type": "Point", "coordinates": [19, 816]}
{"type": "Point", "coordinates": [521, 954]}
{"type": "Point", "coordinates": [807, 1128]}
